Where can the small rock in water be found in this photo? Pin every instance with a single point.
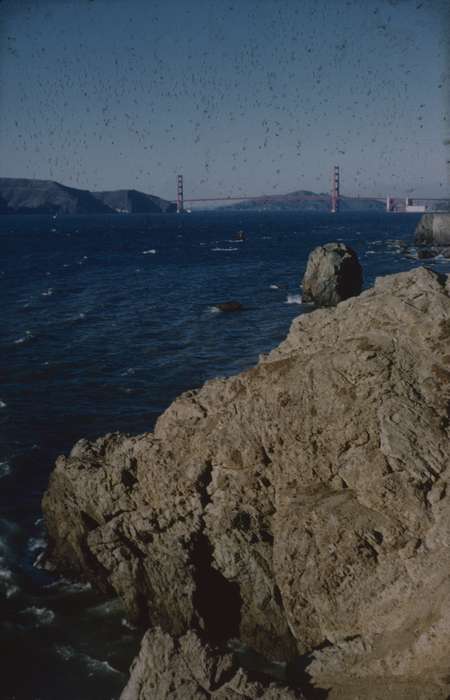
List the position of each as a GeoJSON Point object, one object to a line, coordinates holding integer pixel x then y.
{"type": "Point", "coordinates": [229, 306]}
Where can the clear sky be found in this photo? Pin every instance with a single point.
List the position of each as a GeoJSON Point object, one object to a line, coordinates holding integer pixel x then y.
{"type": "Point", "coordinates": [241, 96]}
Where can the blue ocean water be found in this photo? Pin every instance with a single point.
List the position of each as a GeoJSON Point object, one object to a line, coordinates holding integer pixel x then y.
{"type": "Point", "coordinates": [105, 319]}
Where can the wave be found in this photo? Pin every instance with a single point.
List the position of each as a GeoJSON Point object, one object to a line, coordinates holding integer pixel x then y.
{"type": "Point", "coordinates": [294, 299]}
{"type": "Point", "coordinates": [128, 372]}
{"type": "Point", "coordinates": [25, 338]}
{"type": "Point", "coordinates": [213, 310]}
{"type": "Point", "coordinates": [152, 251]}
{"type": "Point", "coordinates": [8, 579]}
{"type": "Point", "coordinates": [76, 317]}
{"type": "Point", "coordinates": [5, 469]}
{"type": "Point", "coordinates": [48, 293]}
{"type": "Point", "coordinates": [2, 404]}
{"type": "Point", "coordinates": [94, 666]}
{"type": "Point", "coordinates": [40, 616]}
{"type": "Point", "coordinates": [224, 250]}
{"type": "Point", "coordinates": [109, 607]}
{"type": "Point", "coordinates": [63, 585]}
{"type": "Point", "coordinates": [125, 623]}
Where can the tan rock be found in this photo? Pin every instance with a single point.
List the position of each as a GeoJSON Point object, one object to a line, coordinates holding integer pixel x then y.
{"type": "Point", "coordinates": [187, 669]}
{"type": "Point", "coordinates": [303, 505]}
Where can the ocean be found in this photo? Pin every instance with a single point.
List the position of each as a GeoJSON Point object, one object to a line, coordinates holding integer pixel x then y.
{"type": "Point", "coordinates": [105, 320]}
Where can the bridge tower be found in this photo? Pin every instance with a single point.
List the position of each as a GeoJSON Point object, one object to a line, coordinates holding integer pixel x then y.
{"type": "Point", "coordinates": [180, 196]}
{"type": "Point", "coordinates": [335, 191]}
{"type": "Point", "coordinates": [389, 203]}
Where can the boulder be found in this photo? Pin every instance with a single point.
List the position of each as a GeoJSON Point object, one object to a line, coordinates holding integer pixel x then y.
{"type": "Point", "coordinates": [302, 506]}
{"type": "Point", "coordinates": [333, 273]}
{"type": "Point", "coordinates": [433, 229]}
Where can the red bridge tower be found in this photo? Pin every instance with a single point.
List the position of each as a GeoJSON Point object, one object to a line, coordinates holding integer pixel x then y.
{"type": "Point", "coordinates": [335, 193]}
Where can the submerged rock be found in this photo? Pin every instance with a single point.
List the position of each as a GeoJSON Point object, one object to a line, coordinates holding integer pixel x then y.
{"type": "Point", "coordinates": [302, 506]}
{"type": "Point", "coordinates": [229, 306]}
{"type": "Point", "coordinates": [333, 273]}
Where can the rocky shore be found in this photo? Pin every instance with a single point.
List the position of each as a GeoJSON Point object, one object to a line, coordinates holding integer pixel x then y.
{"type": "Point", "coordinates": [301, 507]}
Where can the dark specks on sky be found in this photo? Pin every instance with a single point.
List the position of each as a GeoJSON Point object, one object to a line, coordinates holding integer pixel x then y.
{"type": "Point", "coordinates": [255, 96]}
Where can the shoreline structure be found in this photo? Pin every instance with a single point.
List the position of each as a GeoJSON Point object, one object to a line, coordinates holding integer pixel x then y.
{"type": "Point", "coordinates": [301, 507]}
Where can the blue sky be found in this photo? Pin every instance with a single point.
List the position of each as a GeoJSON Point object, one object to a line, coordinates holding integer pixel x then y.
{"type": "Point", "coordinates": [241, 96]}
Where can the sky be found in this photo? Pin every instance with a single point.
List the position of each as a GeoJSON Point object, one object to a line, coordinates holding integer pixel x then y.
{"type": "Point", "coordinates": [240, 96]}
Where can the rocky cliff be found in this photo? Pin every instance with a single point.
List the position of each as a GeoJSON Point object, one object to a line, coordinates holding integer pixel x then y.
{"type": "Point", "coordinates": [302, 506]}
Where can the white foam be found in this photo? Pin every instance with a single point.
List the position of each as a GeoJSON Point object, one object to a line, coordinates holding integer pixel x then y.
{"type": "Point", "coordinates": [127, 372]}
{"type": "Point", "coordinates": [78, 317]}
{"type": "Point", "coordinates": [5, 469]}
{"type": "Point", "coordinates": [128, 625]}
{"type": "Point", "coordinates": [65, 652]}
{"type": "Point", "coordinates": [213, 310]}
{"type": "Point", "coordinates": [294, 299]}
{"type": "Point", "coordinates": [152, 251]}
{"type": "Point", "coordinates": [109, 607]}
{"type": "Point", "coordinates": [41, 616]}
{"type": "Point", "coordinates": [2, 404]}
{"type": "Point", "coordinates": [223, 250]}
{"type": "Point", "coordinates": [273, 286]}
{"type": "Point", "coordinates": [35, 544]}
{"type": "Point", "coordinates": [28, 336]}
{"type": "Point", "coordinates": [8, 584]}
{"type": "Point", "coordinates": [69, 586]}
{"type": "Point", "coordinates": [97, 666]}
{"type": "Point", "coordinates": [48, 293]}
{"type": "Point", "coordinates": [94, 666]}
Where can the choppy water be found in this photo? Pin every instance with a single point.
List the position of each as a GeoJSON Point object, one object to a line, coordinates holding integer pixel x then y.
{"type": "Point", "coordinates": [104, 321]}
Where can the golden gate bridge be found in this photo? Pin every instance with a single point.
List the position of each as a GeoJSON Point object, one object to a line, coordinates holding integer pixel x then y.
{"type": "Point", "coordinates": [393, 204]}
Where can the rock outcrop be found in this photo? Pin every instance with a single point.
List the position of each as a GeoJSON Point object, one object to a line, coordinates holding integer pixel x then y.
{"type": "Point", "coordinates": [433, 229]}
{"type": "Point", "coordinates": [187, 669]}
{"type": "Point", "coordinates": [302, 506]}
{"type": "Point", "coordinates": [333, 274]}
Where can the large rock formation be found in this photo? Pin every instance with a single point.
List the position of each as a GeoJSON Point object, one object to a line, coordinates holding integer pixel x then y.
{"type": "Point", "coordinates": [302, 506]}
{"type": "Point", "coordinates": [333, 273]}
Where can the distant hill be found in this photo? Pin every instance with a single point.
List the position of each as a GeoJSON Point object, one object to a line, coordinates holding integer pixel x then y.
{"type": "Point", "coordinates": [305, 200]}
{"type": "Point", "coordinates": [26, 196]}
{"type": "Point", "coordinates": [132, 201]}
